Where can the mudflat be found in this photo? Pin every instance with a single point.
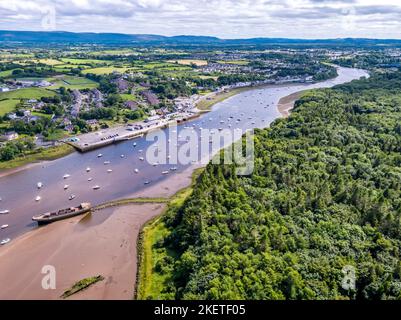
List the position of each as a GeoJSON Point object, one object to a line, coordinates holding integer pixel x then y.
{"type": "Point", "coordinates": [101, 243]}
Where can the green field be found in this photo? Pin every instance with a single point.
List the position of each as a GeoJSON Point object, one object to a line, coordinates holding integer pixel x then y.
{"type": "Point", "coordinates": [27, 93]}
{"type": "Point", "coordinates": [84, 61]}
{"type": "Point", "coordinates": [128, 96]}
{"type": "Point", "coordinates": [70, 82]}
{"type": "Point", "coordinates": [7, 106]}
{"type": "Point", "coordinates": [50, 62]}
{"type": "Point", "coordinates": [238, 62]}
{"type": "Point", "coordinates": [6, 73]}
{"type": "Point", "coordinates": [105, 70]}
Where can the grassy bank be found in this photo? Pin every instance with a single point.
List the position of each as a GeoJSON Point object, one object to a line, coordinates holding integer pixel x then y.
{"type": "Point", "coordinates": [36, 156]}
{"type": "Point", "coordinates": [151, 255]}
{"type": "Point", "coordinates": [206, 104]}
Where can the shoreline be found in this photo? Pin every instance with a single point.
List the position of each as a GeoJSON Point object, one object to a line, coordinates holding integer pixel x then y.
{"type": "Point", "coordinates": [69, 246]}
{"type": "Point", "coordinates": [286, 104]}
{"type": "Point", "coordinates": [28, 161]}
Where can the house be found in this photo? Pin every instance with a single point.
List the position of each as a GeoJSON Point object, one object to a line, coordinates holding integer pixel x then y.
{"type": "Point", "coordinates": [132, 105]}
{"type": "Point", "coordinates": [97, 95]}
{"type": "Point", "coordinates": [38, 106]}
{"type": "Point", "coordinates": [150, 97]}
{"type": "Point", "coordinates": [8, 136]}
{"type": "Point", "coordinates": [12, 116]}
{"type": "Point", "coordinates": [42, 83]}
{"type": "Point", "coordinates": [92, 122]}
{"type": "Point", "coordinates": [122, 85]}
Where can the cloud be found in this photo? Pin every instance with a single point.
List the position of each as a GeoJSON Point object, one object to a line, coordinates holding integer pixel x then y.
{"type": "Point", "coordinates": [224, 18]}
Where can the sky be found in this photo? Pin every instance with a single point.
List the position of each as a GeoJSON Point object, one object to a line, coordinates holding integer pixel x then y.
{"type": "Point", "coordinates": [310, 19]}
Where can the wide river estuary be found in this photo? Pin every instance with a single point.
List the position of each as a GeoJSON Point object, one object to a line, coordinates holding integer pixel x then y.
{"type": "Point", "coordinates": [124, 172]}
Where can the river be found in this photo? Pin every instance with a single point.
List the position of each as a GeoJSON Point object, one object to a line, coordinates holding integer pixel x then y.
{"type": "Point", "coordinates": [255, 108]}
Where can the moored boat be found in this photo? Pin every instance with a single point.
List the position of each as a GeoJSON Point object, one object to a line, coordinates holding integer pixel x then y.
{"type": "Point", "coordinates": [4, 211]}
{"type": "Point", "coordinates": [4, 241]}
{"type": "Point", "coordinates": [49, 217]}
{"type": "Point", "coordinates": [39, 185]}
{"type": "Point", "coordinates": [4, 226]}
{"type": "Point", "coordinates": [66, 176]}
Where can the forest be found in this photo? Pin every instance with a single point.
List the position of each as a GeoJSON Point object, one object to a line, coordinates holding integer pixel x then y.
{"type": "Point", "coordinates": [324, 196]}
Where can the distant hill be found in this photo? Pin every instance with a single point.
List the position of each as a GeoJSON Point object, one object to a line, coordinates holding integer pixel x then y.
{"type": "Point", "coordinates": [62, 37]}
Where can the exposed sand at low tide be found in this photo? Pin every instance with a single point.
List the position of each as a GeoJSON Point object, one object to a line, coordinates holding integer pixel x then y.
{"type": "Point", "coordinates": [103, 243]}
{"type": "Point", "coordinates": [286, 104]}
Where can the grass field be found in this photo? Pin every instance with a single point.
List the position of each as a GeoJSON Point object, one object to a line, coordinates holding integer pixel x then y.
{"type": "Point", "coordinates": [128, 96]}
{"type": "Point", "coordinates": [105, 70]}
{"type": "Point", "coordinates": [70, 82]}
{"type": "Point", "coordinates": [6, 73]}
{"type": "Point", "coordinates": [7, 106]}
{"type": "Point", "coordinates": [238, 62]}
{"type": "Point", "coordinates": [50, 62]}
{"type": "Point", "coordinates": [27, 93]}
{"type": "Point", "coordinates": [85, 61]}
{"type": "Point", "coordinates": [188, 62]}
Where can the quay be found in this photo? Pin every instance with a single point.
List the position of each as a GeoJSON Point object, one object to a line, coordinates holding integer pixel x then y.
{"type": "Point", "coordinates": [100, 138]}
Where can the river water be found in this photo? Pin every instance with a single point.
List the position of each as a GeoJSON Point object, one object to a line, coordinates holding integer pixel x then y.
{"type": "Point", "coordinates": [255, 108]}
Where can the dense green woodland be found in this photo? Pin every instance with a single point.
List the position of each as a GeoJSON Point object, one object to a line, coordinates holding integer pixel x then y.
{"type": "Point", "coordinates": [325, 193]}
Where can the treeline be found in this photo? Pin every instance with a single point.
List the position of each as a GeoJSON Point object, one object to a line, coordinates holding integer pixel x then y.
{"type": "Point", "coordinates": [324, 197]}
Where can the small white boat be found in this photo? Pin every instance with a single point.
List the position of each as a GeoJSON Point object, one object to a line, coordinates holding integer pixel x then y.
{"type": "Point", "coordinates": [141, 158]}
{"type": "Point", "coordinates": [90, 179]}
{"type": "Point", "coordinates": [106, 162]}
{"type": "Point", "coordinates": [72, 197]}
{"type": "Point", "coordinates": [173, 168]}
{"type": "Point", "coordinates": [134, 144]}
{"type": "Point", "coordinates": [4, 226]}
{"type": "Point", "coordinates": [40, 185]}
{"type": "Point", "coordinates": [5, 241]}
{"type": "Point", "coordinates": [4, 211]}
{"type": "Point", "coordinates": [38, 198]}
{"type": "Point", "coordinates": [155, 164]}
{"type": "Point", "coordinates": [165, 172]}
{"type": "Point", "coordinates": [109, 170]}
{"type": "Point", "coordinates": [136, 170]}
{"type": "Point", "coordinates": [66, 176]}
{"type": "Point", "coordinates": [66, 186]}
{"type": "Point", "coordinates": [99, 155]}
{"type": "Point", "coordinates": [122, 156]}
{"type": "Point", "coordinates": [88, 169]}
{"type": "Point", "coordinates": [96, 187]}
{"type": "Point", "coordinates": [146, 182]}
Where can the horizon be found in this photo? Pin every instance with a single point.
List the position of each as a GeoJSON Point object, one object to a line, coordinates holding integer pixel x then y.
{"type": "Point", "coordinates": [201, 35]}
{"type": "Point", "coordinates": [225, 19]}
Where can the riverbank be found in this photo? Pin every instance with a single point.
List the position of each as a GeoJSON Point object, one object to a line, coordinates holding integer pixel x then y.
{"type": "Point", "coordinates": [24, 162]}
{"type": "Point", "coordinates": [69, 246]}
{"type": "Point", "coordinates": [208, 102]}
{"type": "Point", "coordinates": [286, 104]}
